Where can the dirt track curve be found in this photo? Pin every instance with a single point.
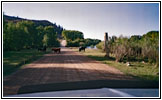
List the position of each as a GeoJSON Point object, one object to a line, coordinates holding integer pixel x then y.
{"type": "Point", "coordinates": [69, 66]}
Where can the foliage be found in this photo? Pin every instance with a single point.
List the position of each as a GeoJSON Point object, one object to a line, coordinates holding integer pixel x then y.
{"type": "Point", "coordinates": [100, 45]}
{"type": "Point", "coordinates": [121, 49]}
{"type": "Point", "coordinates": [72, 43]}
{"type": "Point", "coordinates": [71, 35]}
{"type": "Point", "coordinates": [41, 36]}
{"type": "Point", "coordinates": [76, 39]}
{"type": "Point", "coordinates": [37, 23]}
{"type": "Point", "coordinates": [136, 47]}
{"type": "Point", "coordinates": [91, 42]}
{"type": "Point", "coordinates": [150, 46]}
{"type": "Point", "coordinates": [51, 36]}
{"type": "Point", "coordinates": [25, 35]}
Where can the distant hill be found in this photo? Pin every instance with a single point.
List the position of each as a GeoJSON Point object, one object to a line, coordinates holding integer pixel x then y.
{"type": "Point", "coordinates": [58, 28]}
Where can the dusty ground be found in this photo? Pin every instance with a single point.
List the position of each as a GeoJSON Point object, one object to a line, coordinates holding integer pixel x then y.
{"type": "Point", "coordinates": [69, 66]}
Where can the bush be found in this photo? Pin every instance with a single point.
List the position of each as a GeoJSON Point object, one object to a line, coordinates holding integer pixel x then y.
{"type": "Point", "coordinates": [100, 45]}
{"type": "Point", "coordinates": [150, 47]}
{"type": "Point", "coordinates": [137, 47]}
{"type": "Point", "coordinates": [72, 35]}
{"type": "Point", "coordinates": [72, 44]}
{"type": "Point", "coordinates": [122, 49]}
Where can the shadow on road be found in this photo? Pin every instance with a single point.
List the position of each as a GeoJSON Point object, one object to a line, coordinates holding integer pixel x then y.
{"type": "Point", "coordinates": [93, 84]}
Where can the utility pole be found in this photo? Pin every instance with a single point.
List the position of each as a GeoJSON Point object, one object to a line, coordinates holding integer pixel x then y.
{"type": "Point", "coordinates": [106, 44]}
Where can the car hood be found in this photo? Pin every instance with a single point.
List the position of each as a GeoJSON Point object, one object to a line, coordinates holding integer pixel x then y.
{"type": "Point", "coordinates": [103, 92]}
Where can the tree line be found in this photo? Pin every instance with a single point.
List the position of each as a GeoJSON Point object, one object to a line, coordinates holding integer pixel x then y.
{"type": "Point", "coordinates": [76, 38]}
{"type": "Point", "coordinates": [142, 48]}
{"type": "Point", "coordinates": [19, 33]}
{"type": "Point", "coordinates": [26, 34]}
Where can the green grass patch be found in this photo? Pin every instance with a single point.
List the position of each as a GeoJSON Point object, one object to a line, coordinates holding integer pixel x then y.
{"type": "Point", "coordinates": [143, 71]}
{"type": "Point", "coordinates": [13, 60]}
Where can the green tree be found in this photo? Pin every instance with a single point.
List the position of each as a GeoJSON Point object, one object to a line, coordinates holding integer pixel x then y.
{"type": "Point", "coordinates": [51, 36]}
{"type": "Point", "coordinates": [29, 33]}
{"type": "Point", "coordinates": [72, 35]}
{"type": "Point", "coordinates": [5, 42]}
{"type": "Point", "coordinates": [100, 45]}
{"type": "Point", "coordinates": [150, 46]}
{"type": "Point", "coordinates": [41, 37]}
{"type": "Point", "coordinates": [10, 37]}
{"type": "Point", "coordinates": [45, 40]}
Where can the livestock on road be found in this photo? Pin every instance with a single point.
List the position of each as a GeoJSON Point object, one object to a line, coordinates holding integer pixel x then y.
{"type": "Point", "coordinates": [56, 50]}
{"type": "Point", "coordinates": [42, 48]}
{"type": "Point", "coordinates": [82, 48]}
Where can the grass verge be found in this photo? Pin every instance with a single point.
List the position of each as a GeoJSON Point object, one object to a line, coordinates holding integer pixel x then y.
{"type": "Point", "coordinates": [13, 60]}
{"type": "Point", "coordinates": [143, 71]}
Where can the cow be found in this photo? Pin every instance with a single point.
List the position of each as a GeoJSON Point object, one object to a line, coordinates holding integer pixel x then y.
{"type": "Point", "coordinates": [56, 50]}
{"type": "Point", "coordinates": [42, 49]}
{"type": "Point", "coordinates": [82, 48]}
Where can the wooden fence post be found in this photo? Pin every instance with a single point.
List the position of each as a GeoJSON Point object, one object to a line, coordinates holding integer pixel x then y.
{"type": "Point", "coordinates": [106, 44]}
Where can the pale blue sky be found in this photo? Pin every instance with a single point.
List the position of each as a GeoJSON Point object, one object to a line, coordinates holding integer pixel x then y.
{"type": "Point", "coordinates": [93, 19]}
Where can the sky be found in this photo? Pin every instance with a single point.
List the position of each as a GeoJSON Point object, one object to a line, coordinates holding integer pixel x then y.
{"type": "Point", "coordinates": [93, 19]}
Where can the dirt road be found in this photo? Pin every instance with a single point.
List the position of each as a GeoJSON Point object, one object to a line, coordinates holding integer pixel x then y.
{"type": "Point", "coordinates": [69, 66]}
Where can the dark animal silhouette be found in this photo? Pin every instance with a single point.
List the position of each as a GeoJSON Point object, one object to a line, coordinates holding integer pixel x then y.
{"type": "Point", "coordinates": [82, 48]}
{"type": "Point", "coordinates": [56, 50]}
{"type": "Point", "coordinates": [42, 49]}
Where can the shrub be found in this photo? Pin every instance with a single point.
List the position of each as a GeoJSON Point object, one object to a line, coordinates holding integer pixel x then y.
{"type": "Point", "coordinates": [100, 45]}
